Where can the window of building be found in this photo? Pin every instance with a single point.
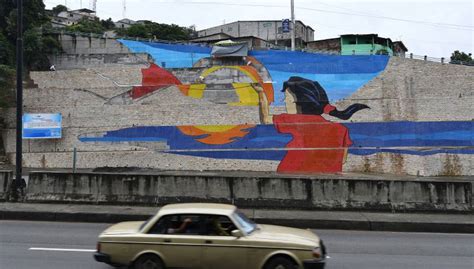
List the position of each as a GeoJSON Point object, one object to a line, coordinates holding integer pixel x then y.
{"type": "Point", "coordinates": [364, 40]}
{"type": "Point", "coordinates": [349, 40]}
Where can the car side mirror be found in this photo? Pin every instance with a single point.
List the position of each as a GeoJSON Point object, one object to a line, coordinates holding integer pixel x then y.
{"type": "Point", "coordinates": [237, 233]}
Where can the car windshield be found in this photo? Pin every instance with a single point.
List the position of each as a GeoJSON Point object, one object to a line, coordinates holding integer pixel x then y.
{"type": "Point", "coordinates": [247, 225]}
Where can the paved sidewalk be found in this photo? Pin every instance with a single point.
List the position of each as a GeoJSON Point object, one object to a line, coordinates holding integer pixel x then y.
{"type": "Point", "coordinates": [420, 222]}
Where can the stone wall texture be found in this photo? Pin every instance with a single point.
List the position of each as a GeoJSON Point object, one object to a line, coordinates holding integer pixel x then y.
{"type": "Point", "coordinates": [408, 90]}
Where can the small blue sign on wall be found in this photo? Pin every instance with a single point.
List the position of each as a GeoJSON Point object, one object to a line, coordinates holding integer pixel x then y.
{"type": "Point", "coordinates": [42, 126]}
{"type": "Point", "coordinates": [285, 26]}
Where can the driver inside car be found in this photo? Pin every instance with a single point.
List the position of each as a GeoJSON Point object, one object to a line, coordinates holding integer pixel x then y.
{"type": "Point", "coordinates": [217, 227]}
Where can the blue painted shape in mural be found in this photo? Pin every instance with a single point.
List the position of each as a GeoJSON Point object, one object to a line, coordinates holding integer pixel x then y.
{"type": "Point", "coordinates": [263, 142]}
{"type": "Point", "coordinates": [341, 76]}
{"type": "Point", "coordinates": [314, 63]}
{"type": "Point", "coordinates": [412, 134]}
{"type": "Point", "coordinates": [258, 137]}
{"type": "Point", "coordinates": [269, 155]}
{"type": "Point", "coordinates": [164, 53]}
{"type": "Point", "coordinates": [337, 86]}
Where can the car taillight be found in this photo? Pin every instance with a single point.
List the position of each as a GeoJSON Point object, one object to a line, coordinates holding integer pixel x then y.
{"type": "Point", "coordinates": [98, 247]}
{"type": "Point", "coordinates": [317, 253]}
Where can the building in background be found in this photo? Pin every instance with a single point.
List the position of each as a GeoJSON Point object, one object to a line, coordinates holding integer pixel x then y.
{"type": "Point", "coordinates": [252, 41]}
{"type": "Point", "coordinates": [399, 49]}
{"type": "Point", "coordinates": [124, 23]}
{"type": "Point", "coordinates": [71, 17]}
{"type": "Point", "coordinates": [352, 44]}
{"type": "Point", "coordinates": [268, 30]}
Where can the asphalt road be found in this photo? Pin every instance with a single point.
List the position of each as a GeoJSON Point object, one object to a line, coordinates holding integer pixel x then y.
{"type": "Point", "coordinates": [348, 249]}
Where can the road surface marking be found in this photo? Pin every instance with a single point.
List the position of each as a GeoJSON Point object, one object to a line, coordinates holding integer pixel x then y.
{"type": "Point", "coordinates": [63, 249]}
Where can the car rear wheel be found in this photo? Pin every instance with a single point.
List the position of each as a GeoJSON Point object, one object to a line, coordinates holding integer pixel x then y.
{"type": "Point", "coordinates": [280, 263]}
{"type": "Point", "coordinates": [148, 261]}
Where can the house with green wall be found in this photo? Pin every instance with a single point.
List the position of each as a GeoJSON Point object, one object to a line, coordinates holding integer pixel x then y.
{"type": "Point", "coordinates": [353, 44]}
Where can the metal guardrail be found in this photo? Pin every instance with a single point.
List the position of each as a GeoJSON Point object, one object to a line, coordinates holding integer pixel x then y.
{"type": "Point", "coordinates": [433, 59]}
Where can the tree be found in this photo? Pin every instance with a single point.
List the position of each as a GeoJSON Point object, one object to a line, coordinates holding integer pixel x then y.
{"type": "Point", "coordinates": [86, 25]}
{"type": "Point", "coordinates": [7, 78]}
{"type": "Point", "coordinates": [34, 15]}
{"type": "Point", "coordinates": [159, 30]}
{"type": "Point", "coordinates": [138, 30]}
{"type": "Point", "coordinates": [58, 9]}
{"type": "Point", "coordinates": [461, 57]}
{"type": "Point", "coordinates": [7, 54]}
{"type": "Point", "coordinates": [36, 47]}
{"type": "Point", "coordinates": [108, 24]}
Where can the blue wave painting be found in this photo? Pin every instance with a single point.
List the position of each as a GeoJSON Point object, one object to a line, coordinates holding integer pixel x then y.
{"type": "Point", "coordinates": [263, 142]}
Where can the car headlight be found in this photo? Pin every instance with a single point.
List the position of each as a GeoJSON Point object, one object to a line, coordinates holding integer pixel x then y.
{"type": "Point", "coordinates": [317, 253]}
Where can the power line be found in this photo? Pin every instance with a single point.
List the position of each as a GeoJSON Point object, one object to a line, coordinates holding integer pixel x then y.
{"type": "Point", "coordinates": [435, 24]}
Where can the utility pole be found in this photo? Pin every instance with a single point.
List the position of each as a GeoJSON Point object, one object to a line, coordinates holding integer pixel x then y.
{"type": "Point", "coordinates": [17, 183]}
{"type": "Point", "coordinates": [293, 25]}
{"type": "Point", "coordinates": [94, 5]}
{"type": "Point", "coordinates": [124, 10]}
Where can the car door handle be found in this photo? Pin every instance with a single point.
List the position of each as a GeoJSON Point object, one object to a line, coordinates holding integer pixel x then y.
{"type": "Point", "coordinates": [208, 241]}
{"type": "Point", "coordinates": [167, 240]}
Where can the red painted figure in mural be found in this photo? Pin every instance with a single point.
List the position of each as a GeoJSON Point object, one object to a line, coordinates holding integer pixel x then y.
{"type": "Point", "coordinates": [318, 145]}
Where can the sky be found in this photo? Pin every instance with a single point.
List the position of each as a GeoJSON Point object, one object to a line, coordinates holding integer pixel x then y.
{"type": "Point", "coordinates": [427, 27]}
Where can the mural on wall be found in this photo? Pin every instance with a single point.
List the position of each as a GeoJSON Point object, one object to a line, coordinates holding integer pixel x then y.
{"type": "Point", "coordinates": [317, 145]}
{"type": "Point", "coordinates": [265, 142]}
{"type": "Point", "coordinates": [341, 76]}
{"type": "Point", "coordinates": [155, 78]}
{"type": "Point", "coordinates": [302, 140]}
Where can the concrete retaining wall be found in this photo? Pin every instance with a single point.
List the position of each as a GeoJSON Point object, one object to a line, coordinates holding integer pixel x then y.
{"type": "Point", "coordinates": [254, 190]}
{"type": "Point", "coordinates": [75, 61]}
{"type": "Point", "coordinates": [78, 44]}
{"type": "Point", "coordinates": [407, 90]}
{"type": "Point", "coordinates": [82, 51]}
{"type": "Point", "coordinates": [5, 177]}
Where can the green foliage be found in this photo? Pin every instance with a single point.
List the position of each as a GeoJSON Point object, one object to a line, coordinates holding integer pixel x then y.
{"type": "Point", "coordinates": [87, 26]}
{"type": "Point", "coordinates": [108, 24]}
{"type": "Point", "coordinates": [34, 15]}
{"type": "Point", "coordinates": [58, 9]}
{"type": "Point", "coordinates": [462, 57]}
{"type": "Point", "coordinates": [7, 54]}
{"type": "Point", "coordinates": [152, 30]}
{"type": "Point", "coordinates": [7, 78]}
{"type": "Point", "coordinates": [36, 49]}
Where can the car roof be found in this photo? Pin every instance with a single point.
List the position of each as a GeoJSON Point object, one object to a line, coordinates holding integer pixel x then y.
{"type": "Point", "coordinates": [197, 208]}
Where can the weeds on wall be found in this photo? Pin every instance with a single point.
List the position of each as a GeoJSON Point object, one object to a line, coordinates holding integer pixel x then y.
{"type": "Point", "coordinates": [7, 83]}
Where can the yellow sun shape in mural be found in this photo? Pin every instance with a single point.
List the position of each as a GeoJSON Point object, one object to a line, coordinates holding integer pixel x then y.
{"type": "Point", "coordinates": [246, 93]}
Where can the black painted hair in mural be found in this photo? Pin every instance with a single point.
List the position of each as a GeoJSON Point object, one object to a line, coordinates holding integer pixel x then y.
{"type": "Point", "coordinates": [311, 98]}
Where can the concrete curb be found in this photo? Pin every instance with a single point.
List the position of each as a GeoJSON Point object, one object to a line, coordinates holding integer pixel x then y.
{"type": "Point", "coordinates": [367, 221]}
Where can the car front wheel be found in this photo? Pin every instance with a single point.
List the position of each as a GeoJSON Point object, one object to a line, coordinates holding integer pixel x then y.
{"type": "Point", "coordinates": [280, 263]}
{"type": "Point", "coordinates": [148, 261]}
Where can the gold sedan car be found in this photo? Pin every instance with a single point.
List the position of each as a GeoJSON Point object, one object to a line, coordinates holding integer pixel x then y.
{"type": "Point", "coordinates": [208, 236]}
